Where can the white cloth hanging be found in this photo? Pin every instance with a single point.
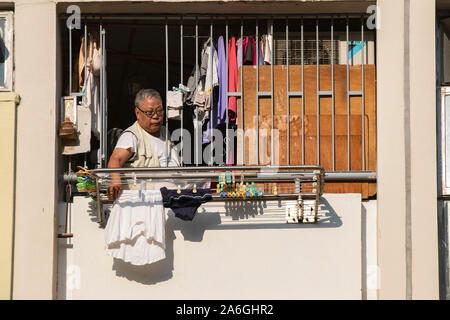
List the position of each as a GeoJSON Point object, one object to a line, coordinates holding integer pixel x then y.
{"type": "Point", "coordinates": [91, 87]}
{"type": "Point", "coordinates": [135, 231]}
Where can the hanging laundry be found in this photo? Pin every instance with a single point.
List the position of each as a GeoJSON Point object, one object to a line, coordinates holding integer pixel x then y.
{"type": "Point", "coordinates": [249, 52]}
{"type": "Point", "coordinates": [135, 231]}
{"type": "Point", "coordinates": [261, 53]}
{"type": "Point", "coordinates": [268, 49]}
{"type": "Point", "coordinates": [222, 74]}
{"type": "Point", "coordinates": [185, 203]}
{"type": "Point", "coordinates": [232, 78]}
{"type": "Point", "coordinates": [239, 52]}
{"type": "Point", "coordinates": [90, 83]}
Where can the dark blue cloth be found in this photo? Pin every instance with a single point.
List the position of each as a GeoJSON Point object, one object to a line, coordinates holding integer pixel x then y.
{"type": "Point", "coordinates": [186, 203]}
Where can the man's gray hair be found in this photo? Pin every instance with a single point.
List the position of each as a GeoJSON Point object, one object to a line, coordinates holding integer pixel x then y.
{"type": "Point", "coordinates": [144, 94]}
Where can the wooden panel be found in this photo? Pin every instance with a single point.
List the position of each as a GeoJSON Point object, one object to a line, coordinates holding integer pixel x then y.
{"type": "Point", "coordinates": [281, 116]}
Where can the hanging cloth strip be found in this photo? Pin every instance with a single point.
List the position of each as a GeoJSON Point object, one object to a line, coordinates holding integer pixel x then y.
{"type": "Point", "coordinates": [232, 78]}
{"type": "Point", "coordinates": [185, 203]}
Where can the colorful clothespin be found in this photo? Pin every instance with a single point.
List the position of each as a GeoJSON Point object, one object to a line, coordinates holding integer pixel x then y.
{"type": "Point", "coordinates": [195, 189]}
{"type": "Point", "coordinates": [179, 190]}
{"type": "Point", "coordinates": [247, 190]}
{"type": "Point", "coordinates": [275, 191]}
{"type": "Point", "coordinates": [260, 192]}
{"type": "Point", "coordinates": [228, 177]}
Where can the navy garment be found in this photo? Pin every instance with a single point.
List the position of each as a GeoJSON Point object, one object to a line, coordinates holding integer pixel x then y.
{"type": "Point", "coordinates": [186, 203]}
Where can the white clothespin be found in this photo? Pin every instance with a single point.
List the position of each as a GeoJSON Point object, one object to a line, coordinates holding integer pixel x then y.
{"type": "Point", "coordinates": [195, 189]}
{"type": "Point", "coordinates": [134, 179]}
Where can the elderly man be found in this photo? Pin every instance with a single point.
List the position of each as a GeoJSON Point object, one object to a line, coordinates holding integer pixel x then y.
{"type": "Point", "coordinates": [144, 143]}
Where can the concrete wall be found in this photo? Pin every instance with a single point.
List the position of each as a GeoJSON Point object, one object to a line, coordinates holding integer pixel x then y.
{"type": "Point", "coordinates": [406, 126]}
{"type": "Point", "coordinates": [250, 253]}
{"type": "Point", "coordinates": [8, 103]}
{"type": "Point", "coordinates": [35, 81]}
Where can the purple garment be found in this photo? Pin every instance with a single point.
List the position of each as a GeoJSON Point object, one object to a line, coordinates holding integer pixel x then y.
{"type": "Point", "coordinates": [222, 75]}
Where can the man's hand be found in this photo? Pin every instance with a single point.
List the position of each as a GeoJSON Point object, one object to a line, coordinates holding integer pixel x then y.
{"type": "Point", "coordinates": [117, 160]}
{"type": "Point", "coordinates": [114, 190]}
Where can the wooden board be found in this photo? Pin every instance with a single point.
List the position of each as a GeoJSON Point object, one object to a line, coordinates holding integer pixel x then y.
{"type": "Point", "coordinates": [311, 113]}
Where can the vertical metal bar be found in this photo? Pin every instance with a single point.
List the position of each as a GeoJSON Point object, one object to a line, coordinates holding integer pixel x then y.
{"type": "Point", "coordinates": [226, 110]}
{"type": "Point", "coordinates": [287, 91]}
{"type": "Point", "coordinates": [100, 149]}
{"type": "Point", "coordinates": [318, 89]}
{"type": "Point", "coordinates": [332, 96]}
{"type": "Point", "coordinates": [242, 86]}
{"type": "Point", "coordinates": [362, 98]}
{"type": "Point", "coordinates": [167, 89]}
{"type": "Point", "coordinates": [271, 92]}
{"type": "Point", "coordinates": [105, 103]}
{"type": "Point", "coordinates": [257, 96]}
{"type": "Point", "coordinates": [196, 134]}
{"type": "Point", "coordinates": [303, 97]}
{"type": "Point", "coordinates": [181, 79]}
{"type": "Point", "coordinates": [211, 98]}
{"type": "Point", "coordinates": [70, 61]}
{"type": "Point", "coordinates": [85, 56]}
{"type": "Point", "coordinates": [348, 100]}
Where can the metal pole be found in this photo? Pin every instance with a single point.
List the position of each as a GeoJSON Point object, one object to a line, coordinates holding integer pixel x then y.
{"type": "Point", "coordinates": [362, 98]}
{"type": "Point", "coordinates": [348, 101]}
{"type": "Point", "coordinates": [70, 61]}
{"type": "Point", "coordinates": [257, 98]}
{"type": "Point", "coordinates": [167, 89]}
{"type": "Point", "coordinates": [196, 133]}
{"type": "Point", "coordinates": [318, 93]}
{"type": "Point", "coordinates": [303, 98]}
{"type": "Point", "coordinates": [271, 92]}
{"type": "Point", "coordinates": [332, 95]}
{"type": "Point", "coordinates": [242, 86]}
{"type": "Point", "coordinates": [226, 110]}
{"type": "Point", "coordinates": [85, 56]}
{"type": "Point", "coordinates": [287, 92]}
{"type": "Point", "coordinates": [181, 79]}
{"type": "Point", "coordinates": [102, 111]}
{"type": "Point", "coordinates": [105, 103]}
{"type": "Point", "coordinates": [211, 98]}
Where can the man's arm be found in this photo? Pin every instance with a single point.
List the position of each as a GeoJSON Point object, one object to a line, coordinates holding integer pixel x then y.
{"type": "Point", "coordinates": [117, 160]}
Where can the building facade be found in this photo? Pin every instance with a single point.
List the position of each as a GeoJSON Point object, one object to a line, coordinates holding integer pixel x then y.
{"type": "Point", "coordinates": [388, 246]}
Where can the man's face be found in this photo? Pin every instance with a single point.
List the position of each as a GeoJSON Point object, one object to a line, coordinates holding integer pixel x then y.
{"type": "Point", "coordinates": [152, 124]}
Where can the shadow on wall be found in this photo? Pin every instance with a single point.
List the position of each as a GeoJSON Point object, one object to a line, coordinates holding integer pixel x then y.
{"type": "Point", "coordinates": [194, 230]}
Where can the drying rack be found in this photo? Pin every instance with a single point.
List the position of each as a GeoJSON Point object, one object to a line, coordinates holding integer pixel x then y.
{"type": "Point", "coordinates": [303, 182]}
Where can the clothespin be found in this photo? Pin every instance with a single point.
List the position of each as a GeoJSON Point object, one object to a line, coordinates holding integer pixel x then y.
{"type": "Point", "coordinates": [275, 191]}
{"type": "Point", "coordinates": [260, 192]}
{"type": "Point", "coordinates": [195, 189]}
{"type": "Point", "coordinates": [134, 179]}
{"type": "Point", "coordinates": [179, 190]}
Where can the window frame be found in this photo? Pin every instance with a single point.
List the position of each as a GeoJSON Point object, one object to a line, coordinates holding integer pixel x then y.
{"type": "Point", "coordinates": [9, 44]}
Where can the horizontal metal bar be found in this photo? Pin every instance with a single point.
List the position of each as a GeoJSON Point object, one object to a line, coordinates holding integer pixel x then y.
{"type": "Point", "coordinates": [355, 93]}
{"type": "Point", "coordinates": [234, 94]}
{"type": "Point", "coordinates": [295, 93]}
{"type": "Point", "coordinates": [354, 175]}
{"type": "Point", "coordinates": [215, 168]}
{"type": "Point", "coordinates": [201, 16]}
{"type": "Point", "coordinates": [325, 93]}
{"type": "Point", "coordinates": [264, 94]}
{"type": "Point", "coordinates": [267, 197]}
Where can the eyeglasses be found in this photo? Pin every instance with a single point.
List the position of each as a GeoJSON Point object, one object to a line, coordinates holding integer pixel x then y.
{"type": "Point", "coordinates": [151, 113]}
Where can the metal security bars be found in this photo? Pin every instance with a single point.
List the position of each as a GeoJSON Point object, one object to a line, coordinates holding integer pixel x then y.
{"type": "Point", "coordinates": [325, 34]}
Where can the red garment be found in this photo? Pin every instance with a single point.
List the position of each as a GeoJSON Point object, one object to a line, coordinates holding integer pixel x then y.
{"type": "Point", "coordinates": [232, 78]}
{"type": "Point", "coordinates": [244, 45]}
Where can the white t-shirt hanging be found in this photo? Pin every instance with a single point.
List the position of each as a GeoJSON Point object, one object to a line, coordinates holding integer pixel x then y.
{"type": "Point", "coordinates": [129, 141]}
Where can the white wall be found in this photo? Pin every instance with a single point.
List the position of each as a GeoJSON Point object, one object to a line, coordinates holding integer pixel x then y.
{"type": "Point", "coordinates": [249, 254]}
